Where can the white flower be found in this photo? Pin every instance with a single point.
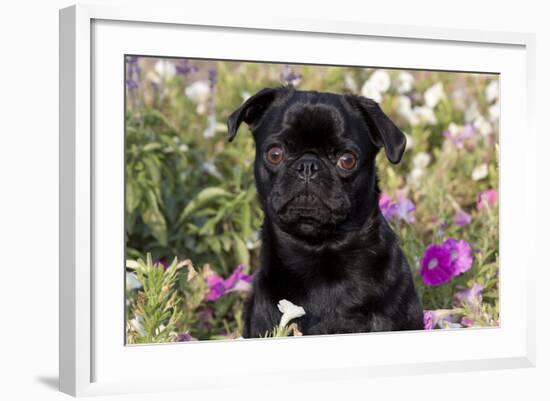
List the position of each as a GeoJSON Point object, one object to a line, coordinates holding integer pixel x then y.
{"type": "Point", "coordinates": [404, 82]}
{"type": "Point", "coordinates": [410, 141]}
{"type": "Point", "coordinates": [371, 92]}
{"type": "Point", "coordinates": [210, 130]}
{"type": "Point", "coordinates": [421, 160]}
{"type": "Point", "coordinates": [245, 95]}
{"type": "Point", "coordinates": [434, 94]}
{"type": "Point", "coordinates": [132, 282]}
{"type": "Point", "coordinates": [413, 179]}
{"type": "Point", "coordinates": [137, 325]}
{"type": "Point", "coordinates": [471, 112]}
{"type": "Point", "coordinates": [289, 311]}
{"type": "Point", "coordinates": [454, 128]}
{"type": "Point", "coordinates": [380, 80]}
{"type": "Point", "coordinates": [350, 83]}
{"type": "Point", "coordinates": [132, 264]}
{"type": "Point", "coordinates": [425, 114]}
{"type": "Point", "coordinates": [405, 110]}
{"type": "Point", "coordinates": [160, 329]}
{"type": "Point", "coordinates": [211, 169]}
{"type": "Point", "coordinates": [483, 126]}
{"type": "Point", "coordinates": [494, 112]}
{"type": "Point", "coordinates": [491, 91]}
{"type": "Point", "coordinates": [378, 83]}
{"type": "Point", "coordinates": [199, 93]}
{"type": "Point", "coordinates": [184, 147]}
{"type": "Point", "coordinates": [480, 172]}
{"type": "Point", "coordinates": [165, 68]}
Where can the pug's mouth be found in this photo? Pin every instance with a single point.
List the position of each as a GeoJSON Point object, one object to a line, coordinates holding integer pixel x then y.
{"type": "Point", "coordinates": [305, 208]}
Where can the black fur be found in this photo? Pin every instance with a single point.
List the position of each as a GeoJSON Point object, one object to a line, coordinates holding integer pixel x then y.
{"type": "Point", "coordinates": [325, 244]}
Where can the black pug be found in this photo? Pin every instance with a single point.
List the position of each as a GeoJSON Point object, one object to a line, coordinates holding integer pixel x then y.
{"type": "Point", "coordinates": [325, 244]}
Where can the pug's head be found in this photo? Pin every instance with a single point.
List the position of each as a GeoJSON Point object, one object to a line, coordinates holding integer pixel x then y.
{"type": "Point", "coordinates": [315, 158]}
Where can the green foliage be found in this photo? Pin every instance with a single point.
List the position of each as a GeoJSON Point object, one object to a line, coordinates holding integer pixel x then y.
{"type": "Point", "coordinates": [165, 304]}
{"type": "Point", "coordinates": [191, 195]}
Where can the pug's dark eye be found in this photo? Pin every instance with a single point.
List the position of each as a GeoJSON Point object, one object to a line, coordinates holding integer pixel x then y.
{"type": "Point", "coordinates": [347, 161]}
{"type": "Point", "coordinates": [275, 154]}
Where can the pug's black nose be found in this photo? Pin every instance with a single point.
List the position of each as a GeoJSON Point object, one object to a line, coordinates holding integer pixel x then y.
{"type": "Point", "coordinates": [307, 167]}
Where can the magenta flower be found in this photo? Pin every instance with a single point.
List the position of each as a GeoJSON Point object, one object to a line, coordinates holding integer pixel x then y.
{"type": "Point", "coordinates": [487, 198]}
{"type": "Point", "coordinates": [462, 218]}
{"type": "Point", "coordinates": [461, 255]}
{"type": "Point", "coordinates": [441, 263]}
{"type": "Point", "coordinates": [436, 267]}
{"type": "Point", "coordinates": [402, 209]}
{"type": "Point", "coordinates": [237, 281]}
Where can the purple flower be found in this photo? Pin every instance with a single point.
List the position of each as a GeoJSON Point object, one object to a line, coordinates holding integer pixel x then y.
{"type": "Point", "coordinates": [487, 198]}
{"type": "Point", "coordinates": [206, 315]}
{"type": "Point", "coordinates": [428, 320]}
{"type": "Point", "coordinates": [405, 209]}
{"type": "Point", "coordinates": [183, 68]}
{"type": "Point", "coordinates": [387, 206]}
{"type": "Point", "coordinates": [133, 72]}
{"type": "Point", "coordinates": [433, 318]}
{"type": "Point", "coordinates": [470, 297]}
{"type": "Point", "coordinates": [161, 264]}
{"type": "Point", "coordinates": [458, 135]}
{"type": "Point", "coordinates": [212, 77]}
{"type": "Point", "coordinates": [289, 76]}
{"type": "Point", "coordinates": [462, 218]}
{"type": "Point", "coordinates": [402, 209]}
{"type": "Point", "coordinates": [185, 337]}
{"type": "Point", "coordinates": [461, 255]}
{"type": "Point", "coordinates": [436, 267]}
{"type": "Point", "coordinates": [131, 84]}
{"type": "Point", "coordinates": [216, 287]}
{"type": "Point", "coordinates": [237, 281]}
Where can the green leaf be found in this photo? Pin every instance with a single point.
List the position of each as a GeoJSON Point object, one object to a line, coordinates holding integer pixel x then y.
{"type": "Point", "coordinates": [204, 197]}
{"type": "Point", "coordinates": [155, 220]}
{"type": "Point", "coordinates": [242, 254]}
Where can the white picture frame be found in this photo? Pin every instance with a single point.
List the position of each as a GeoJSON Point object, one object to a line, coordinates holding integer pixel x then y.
{"type": "Point", "coordinates": [93, 357]}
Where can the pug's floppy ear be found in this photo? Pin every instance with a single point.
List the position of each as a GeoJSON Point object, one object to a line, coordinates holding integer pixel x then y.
{"type": "Point", "coordinates": [250, 111]}
{"type": "Point", "coordinates": [383, 131]}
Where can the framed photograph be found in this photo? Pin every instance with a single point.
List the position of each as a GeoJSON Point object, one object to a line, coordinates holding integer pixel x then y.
{"type": "Point", "coordinates": [288, 199]}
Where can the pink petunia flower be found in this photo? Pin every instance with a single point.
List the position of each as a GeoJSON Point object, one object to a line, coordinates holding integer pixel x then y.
{"type": "Point", "coordinates": [470, 297]}
{"type": "Point", "coordinates": [237, 281]}
{"type": "Point", "coordinates": [441, 263]}
{"type": "Point", "coordinates": [400, 209]}
{"type": "Point", "coordinates": [436, 267]}
{"type": "Point", "coordinates": [433, 318]}
{"type": "Point", "coordinates": [462, 218]}
{"type": "Point", "coordinates": [461, 255]}
{"type": "Point", "coordinates": [487, 198]}
{"type": "Point", "coordinates": [428, 320]}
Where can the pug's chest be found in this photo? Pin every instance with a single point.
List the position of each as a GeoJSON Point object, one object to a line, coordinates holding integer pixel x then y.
{"type": "Point", "coordinates": [335, 312]}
